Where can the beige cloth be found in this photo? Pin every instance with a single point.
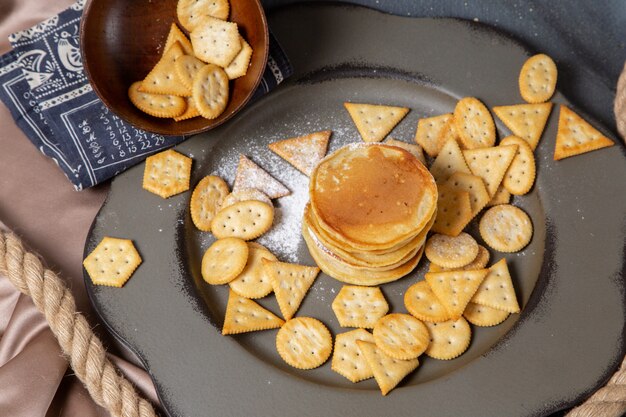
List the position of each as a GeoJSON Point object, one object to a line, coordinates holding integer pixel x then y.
{"type": "Point", "coordinates": [39, 204]}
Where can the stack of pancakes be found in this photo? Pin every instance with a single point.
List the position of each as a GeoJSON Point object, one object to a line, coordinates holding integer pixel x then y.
{"type": "Point", "coordinates": [371, 207]}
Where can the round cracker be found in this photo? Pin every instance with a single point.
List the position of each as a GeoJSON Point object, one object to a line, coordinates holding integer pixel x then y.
{"type": "Point", "coordinates": [304, 343]}
{"type": "Point", "coordinates": [506, 228]}
{"type": "Point", "coordinates": [206, 200]}
{"type": "Point", "coordinates": [224, 260]}
{"type": "Point", "coordinates": [520, 176]}
{"type": "Point", "coordinates": [401, 336]}
{"type": "Point", "coordinates": [484, 316]}
{"type": "Point", "coordinates": [451, 252]}
{"type": "Point", "coordinates": [474, 124]}
{"type": "Point", "coordinates": [253, 282]}
{"type": "Point", "coordinates": [246, 220]}
{"type": "Point", "coordinates": [210, 91]}
{"type": "Point", "coordinates": [481, 261]}
{"type": "Point", "coordinates": [449, 339]}
{"type": "Point", "coordinates": [537, 79]}
{"type": "Point", "coordinates": [423, 304]}
{"type": "Point", "coordinates": [246, 194]}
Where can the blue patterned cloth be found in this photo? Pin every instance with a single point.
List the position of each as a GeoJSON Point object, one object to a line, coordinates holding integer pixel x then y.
{"type": "Point", "coordinates": [43, 84]}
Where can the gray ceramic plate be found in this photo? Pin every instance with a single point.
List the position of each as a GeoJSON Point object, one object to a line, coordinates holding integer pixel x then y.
{"type": "Point", "coordinates": [565, 343]}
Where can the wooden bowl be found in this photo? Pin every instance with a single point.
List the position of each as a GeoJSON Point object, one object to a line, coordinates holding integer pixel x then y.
{"type": "Point", "coordinates": [121, 40]}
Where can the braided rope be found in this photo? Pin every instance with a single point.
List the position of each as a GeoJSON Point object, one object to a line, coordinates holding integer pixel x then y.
{"type": "Point", "coordinates": [620, 104]}
{"type": "Point", "coordinates": [84, 350]}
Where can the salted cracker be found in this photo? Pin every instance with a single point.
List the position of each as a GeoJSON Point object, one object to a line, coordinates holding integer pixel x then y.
{"type": "Point", "coordinates": [304, 343]}
{"type": "Point", "coordinates": [192, 13]}
{"type": "Point", "coordinates": [421, 302]}
{"type": "Point", "coordinates": [387, 371]}
{"type": "Point", "coordinates": [520, 176]}
{"type": "Point", "coordinates": [245, 220]}
{"type": "Point", "coordinates": [190, 112]}
{"type": "Point", "coordinates": [576, 136]}
{"type": "Point", "coordinates": [490, 164]}
{"type": "Point", "coordinates": [167, 173]}
{"type": "Point", "coordinates": [474, 124]}
{"type": "Point", "coordinates": [401, 336]}
{"type": "Point", "coordinates": [429, 132]}
{"type": "Point", "coordinates": [112, 262]}
{"type": "Point", "coordinates": [224, 260]}
{"type": "Point", "coordinates": [451, 252]}
{"type": "Point", "coordinates": [502, 196]}
{"type": "Point", "coordinates": [163, 79]}
{"type": "Point", "coordinates": [245, 194]}
{"type": "Point", "coordinates": [253, 281]}
{"type": "Point", "coordinates": [496, 290]}
{"type": "Point", "coordinates": [206, 200]}
{"type": "Point", "coordinates": [244, 315]}
{"type": "Point", "coordinates": [526, 121]}
{"type": "Point", "coordinates": [454, 211]}
{"type": "Point", "coordinates": [537, 79]}
{"type": "Point", "coordinates": [374, 122]}
{"type": "Point", "coordinates": [475, 186]}
{"type": "Point", "coordinates": [239, 65]}
{"type": "Point", "coordinates": [449, 339]}
{"type": "Point", "coordinates": [250, 175]}
{"type": "Point", "coordinates": [455, 289]}
{"type": "Point", "coordinates": [291, 282]}
{"type": "Point", "coordinates": [348, 360]}
{"type": "Point", "coordinates": [484, 316]}
{"type": "Point", "coordinates": [357, 306]}
{"type": "Point", "coordinates": [506, 228]}
{"type": "Point", "coordinates": [176, 35]}
{"type": "Point", "coordinates": [156, 105]}
{"type": "Point", "coordinates": [216, 42]}
{"type": "Point", "coordinates": [414, 149]}
{"type": "Point", "coordinates": [187, 67]}
{"type": "Point", "coordinates": [210, 91]}
{"type": "Point", "coordinates": [303, 152]}
{"type": "Point", "coordinates": [449, 160]}
{"type": "Point", "coordinates": [480, 262]}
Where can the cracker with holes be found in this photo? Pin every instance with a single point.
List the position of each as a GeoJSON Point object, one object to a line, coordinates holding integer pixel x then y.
{"type": "Point", "coordinates": [187, 67]}
{"type": "Point", "coordinates": [537, 79]}
{"type": "Point", "coordinates": [244, 315]}
{"type": "Point", "coordinates": [451, 252]}
{"type": "Point", "coordinates": [421, 302]}
{"type": "Point", "coordinates": [348, 361]}
{"type": "Point", "coordinates": [401, 336]}
{"type": "Point", "coordinates": [520, 177]}
{"type": "Point", "coordinates": [245, 220]}
{"type": "Point", "coordinates": [163, 79]}
{"type": "Point", "coordinates": [192, 13]}
{"type": "Point", "coordinates": [484, 316]}
{"type": "Point", "coordinates": [206, 200]}
{"type": "Point", "coordinates": [253, 281]}
{"type": "Point", "coordinates": [490, 164]}
{"type": "Point", "coordinates": [291, 282]}
{"type": "Point", "coordinates": [481, 261]}
{"type": "Point", "coordinates": [357, 306]}
{"type": "Point", "coordinates": [190, 112]}
{"type": "Point", "coordinates": [576, 136]}
{"type": "Point", "coordinates": [167, 173]}
{"type": "Point", "coordinates": [475, 187]}
{"type": "Point", "coordinates": [430, 130]}
{"type": "Point", "coordinates": [112, 262]}
{"type": "Point", "coordinates": [496, 290]}
{"type": "Point", "coordinates": [374, 122]}
{"type": "Point", "coordinates": [224, 260]}
{"type": "Point", "coordinates": [474, 124]}
{"type": "Point", "coordinates": [526, 121]}
{"type": "Point", "coordinates": [303, 152]}
{"type": "Point", "coordinates": [239, 65]}
{"type": "Point", "coordinates": [245, 194]}
{"type": "Point", "coordinates": [455, 289]}
{"type": "Point", "coordinates": [449, 339]}
{"type": "Point", "coordinates": [216, 42]}
{"type": "Point", "coordinates": [176, 35]}
{"type": "Point", "coordinates": [449, 161]}
{"type": "Point", "coordinates": [454, 211]}
{"type": "Point", "coordinates": [506, 228]}
{"type": "Point", "coordinates": [157, 105]}
{"type": "Point", "coordinates": [210, 91]}
{"type": "Point", "coordinates": [413, 149]}
{"type": "Point", "coordinates": [388, 372]}
{"type": "Point", "coordinates": [502, 196]}
{"type": "Point", "coordinates": [304, 343]}
{"type": "Point", "coordinates": [250, 175]}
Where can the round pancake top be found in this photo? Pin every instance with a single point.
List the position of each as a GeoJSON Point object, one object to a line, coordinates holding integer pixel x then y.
{"type": "Point", "coordinates": [373, 194]}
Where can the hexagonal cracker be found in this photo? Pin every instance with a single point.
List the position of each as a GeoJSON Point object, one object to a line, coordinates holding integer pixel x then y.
{"type": "Point", "coordinates": [167, 173]}
{"type": "Point", "coordinates": [112, 262]}
{"type": "Point", "coordinates": [357, 306]}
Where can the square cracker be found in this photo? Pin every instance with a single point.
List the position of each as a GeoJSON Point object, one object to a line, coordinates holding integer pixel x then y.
{"type": "Point", "coordinates": [576, 136]}
{"type": "Point", "coordinates": [374, 122]}
{"type": "Point", "coordinates": [216, 41]}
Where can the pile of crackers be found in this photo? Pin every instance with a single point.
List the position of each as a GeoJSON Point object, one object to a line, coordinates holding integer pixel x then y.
{"type": "Point", "coordinates": [192, 77]}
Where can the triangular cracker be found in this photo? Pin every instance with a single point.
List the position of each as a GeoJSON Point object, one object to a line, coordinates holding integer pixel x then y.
{"type": "Point", "coordinates": [454, 211]}
{"type": "Point", "coordinates": [374, 121]}
{"type": "Point", "coordinates": [163, 78]}
{"type": "Point", "coordinates": [576, 136]}
{"type": "Point", "coordinates": [496, 290]}
{"type": "Point", "coordinates": [455, 289]}
{"type": "Point", "coordinates": [430, 130]}
{"type": "Point", "coordinates": [387, 371]}
{"type": "Point", "coordinates": [244, 315]}
{"type": "Point", "coordinates": [525, 120]}
{"type": "Point", "coordinates": [291, 283]}
{"type": "Point", "coordinates": [176, 35]}
{"type": "Point", "coordinates": [449, 161]}
{"type": "Point", "coordinates": [490, 164]}
{"type": "Point", "coordinates": [502, 196]}
{"type": "Point", "coordinates": [303, 152]}
{"type": "Point", "coordinates": [250, 175]}
{"type": "Point", "coordinates": [475, 186]}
